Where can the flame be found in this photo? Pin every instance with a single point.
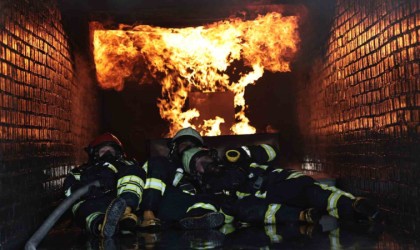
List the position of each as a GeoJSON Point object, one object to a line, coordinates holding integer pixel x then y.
{"type": "Point", "coordinates": [197, 59]}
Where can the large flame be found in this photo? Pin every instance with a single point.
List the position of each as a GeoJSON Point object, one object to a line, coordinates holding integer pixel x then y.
{"type": "Point", "coordinates": [197, 59]}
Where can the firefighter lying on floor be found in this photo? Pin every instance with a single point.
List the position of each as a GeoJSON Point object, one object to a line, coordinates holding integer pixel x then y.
{"type": "Point", "coordinates": [168, 185]}
{"type": "Point", "coordinates": [111, 206]}
{"type": "Point", "coordinates": [244, 175]}
{"type": "Point", "coordinates": [170, 197]}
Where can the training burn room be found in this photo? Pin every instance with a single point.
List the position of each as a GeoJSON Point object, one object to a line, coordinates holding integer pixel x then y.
{"type": "Point", "coordinates": [211, 124]}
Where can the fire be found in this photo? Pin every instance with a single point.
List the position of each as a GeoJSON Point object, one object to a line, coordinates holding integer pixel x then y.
{"type": "Point", "coordinates": [197, 59]}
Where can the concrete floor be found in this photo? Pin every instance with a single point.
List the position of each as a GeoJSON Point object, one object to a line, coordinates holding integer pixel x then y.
{"type": "Point", "coordinates": [328, 234]}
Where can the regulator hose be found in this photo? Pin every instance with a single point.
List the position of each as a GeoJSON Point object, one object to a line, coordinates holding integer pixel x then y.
{"type": "Point", "coordinates": [56, 214]}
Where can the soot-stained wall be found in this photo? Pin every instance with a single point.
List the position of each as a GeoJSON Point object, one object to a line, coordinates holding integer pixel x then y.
{"type": "Point", "coordinates": [48, 111]}
{"type": "Point", "coordinates": [359, 109]}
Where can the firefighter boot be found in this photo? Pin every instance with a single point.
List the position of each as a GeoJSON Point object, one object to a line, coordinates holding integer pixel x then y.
{"type": "Point", "coordinates": [310, 215]}
{"type": "Point", "coordinates": [367, 208]}
{"type": "Point", "coordinates": [150, 222]}
{"type": "Point", "coordinates": [112, 216]}
{"type": "Point", "coordinates": [206, 221]}
{"type": "Point", "coordinates": [128, 220]}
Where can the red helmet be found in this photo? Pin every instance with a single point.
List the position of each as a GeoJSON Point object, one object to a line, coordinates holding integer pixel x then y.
{"type": "Point", "coordinates": [106, 139]}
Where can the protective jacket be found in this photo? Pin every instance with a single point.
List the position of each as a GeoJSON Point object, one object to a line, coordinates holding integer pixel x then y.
{"type": "Point", "coordinates": [118, 178]}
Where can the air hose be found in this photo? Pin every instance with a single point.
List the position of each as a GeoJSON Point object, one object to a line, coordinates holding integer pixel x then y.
{"type": "Point", "coordinates": [56, 214]}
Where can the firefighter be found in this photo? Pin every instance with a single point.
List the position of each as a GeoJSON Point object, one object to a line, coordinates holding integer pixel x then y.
{"type": "Point", "coordinates": [170, 195]}
{"type": "Point", "coordinates": [102, 210]}
{"type": "Point", "coordinates": [238, 204]}
{"type": "Point", "coordinates": [244, 174]}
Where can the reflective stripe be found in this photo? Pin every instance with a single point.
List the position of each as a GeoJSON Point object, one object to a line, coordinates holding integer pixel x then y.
{"type": "Point", "coordinates": [247, 151]}
{"type": "Point", "coordinates": [202, 205]}
{"type": "Point", "coordinates": [271, 232]}
{"type": "Point", "coordinates": [227, 229]}
{"type": "Point", "coordinates": [188, 192]}
{"type": "Point", "coordinates": [333, 198]}
{"type": "Point", "coordinates": [334, 189]}
{"type": "Point", "coordinates": [332, 204]}
{"type": "Point", "coordinates": [270, 214]}
{"type": "Point", "coordinates": [258, 194]}
{"type": "Point", "coordinates": [90, 219]}
{"type": "Point", "coordinates": [68, 192]}
{"type": "Point", "coordinates": [334, 237]}
{"type": "Point", "coordinates": [76, 176]}
{"type": "Point", "coordinates": [130, 183]}
{"type": "Point", "coordinates": [241, 195]}
{"type": "Point", "coordinates": [228, 218]}
{"type": "Point", "coordinates": [255, 165]}
{"type": "Point", "coordinates": [178, 176]}
{"type": "Point", "coordinates": [145, 166]}
{"type": "Point", "coordinates": [110, 166]}
{"type": "Point", "coordinates": [270, 151]}
{"type": "Point", "coordinates": [295, 175]}
{"type": "Point", "coordinates": [76, 206]}
{"type": "Point", "coordinates": [153, 183]}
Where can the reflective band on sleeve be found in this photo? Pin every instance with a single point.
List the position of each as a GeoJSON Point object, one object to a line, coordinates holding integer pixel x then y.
{"type": "Point", "coordinates": [332, 204]}
{"type": "Point", "coordinates": [207, 206]}
{"type": "Point", "coordinates": [130, 183]}
{"type": "Point", "coordinates": [255, 165]}
{"type": "Point", "coordinates": [270, 151]}
{"type": "Point", "coordinates": [178, 176]}
{"type": "Point", "coordinates": [277, 170]}
{"type": "Point", "coordinates": [68, 192]}
{"type": "Point", "coordinates": [334, 237]}
{"type": "Point", "coordinates": [247, 151]}
{"type": "Point", "coordinates": [112, 167]}
{"type": "Point", "coordinates": [334, 189]}
{"type": "Point", "coordinates": [270, 214]}
{"type": "Point", "coordinates": [241, 195]}
{"type": "Point", "coordinates": [295, 175]}
{"type": "Point", "coordinates": [90, 219]}
{"type": "Point", "coordinates": [76, 176]}
{"type": "Point", "coordinates": [260, 195]}
{"type": "Point", "coordinates": [188, 192]}
{"type": "Point", "coordinates": [145, 166]}
{"type": "Point", "coordinates": [76, 206]}
{"type": "Point", "coordinates": [153, 183]}
{"type": "Point", "coordinates": [271, 232]}
{"type": "Point", "coordinates": [228, 218]}
{"type": "Point", "coordinates": [333, 198]}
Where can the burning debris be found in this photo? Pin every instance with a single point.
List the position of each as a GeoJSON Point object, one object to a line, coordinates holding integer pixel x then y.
{"type": "Point", "coordinates": [197, 59]}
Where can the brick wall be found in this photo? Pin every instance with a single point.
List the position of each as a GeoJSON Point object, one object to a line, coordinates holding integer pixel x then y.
{"type": "Point", "coordinates": [359, 110]}
{"type": "Point", "coordinates": [47, 112]}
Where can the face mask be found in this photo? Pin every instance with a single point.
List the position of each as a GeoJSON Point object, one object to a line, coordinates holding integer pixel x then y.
{"type": "Point", "coordinates": [108, 156]}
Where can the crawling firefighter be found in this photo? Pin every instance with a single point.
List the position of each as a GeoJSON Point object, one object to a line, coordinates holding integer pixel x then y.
{"type": "Point", "coordinates": [106, 209]}
{"type": "Point", "coordinates": [169, 194]}
{"type": "Point", "coordinates": [246, 173]}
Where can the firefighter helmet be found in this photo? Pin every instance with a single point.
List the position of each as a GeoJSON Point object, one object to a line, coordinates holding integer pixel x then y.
{"type": "Point", "coordinates": [189, 158]}
{"type": "Point", "coordinates": [106, 139]}
{"type": "Point", "coordinates": [188, 133]}
{"type": "Point", "coordinates": [188, 136]}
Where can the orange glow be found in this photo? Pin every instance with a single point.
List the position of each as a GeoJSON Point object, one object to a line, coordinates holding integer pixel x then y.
{"type": "Point", "coordinates": [196, 59]}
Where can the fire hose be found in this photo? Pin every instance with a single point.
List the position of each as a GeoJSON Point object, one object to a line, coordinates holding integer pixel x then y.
{"type": "Point", "coordinates": [56, 214]}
